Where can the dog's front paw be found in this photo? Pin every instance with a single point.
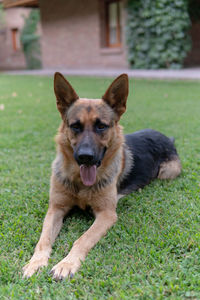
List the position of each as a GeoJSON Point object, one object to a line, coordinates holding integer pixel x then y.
{"type": "Point", "coordinates": [65, 268]}
{"type": "Point", "coordinates": [36, 262]}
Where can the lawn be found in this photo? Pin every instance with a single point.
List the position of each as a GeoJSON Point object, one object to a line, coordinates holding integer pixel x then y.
{"type": "Point", "coordinates": [153, 251]}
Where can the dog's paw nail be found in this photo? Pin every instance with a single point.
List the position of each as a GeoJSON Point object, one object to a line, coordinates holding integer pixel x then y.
{"type": "Point", "coordinates": [58, 278]}
{"type": "Point", "coordinates": [71, 275]}
{"type": "Point", "coordinates": [55, 278]}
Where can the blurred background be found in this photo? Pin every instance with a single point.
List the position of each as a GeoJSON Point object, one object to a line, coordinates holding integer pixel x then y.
{"type": "Point", "coordinates": [104, 34]}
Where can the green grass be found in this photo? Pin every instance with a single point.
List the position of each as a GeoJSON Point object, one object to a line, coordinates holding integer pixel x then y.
{"type": "Point", "coordinates": [153, 251]}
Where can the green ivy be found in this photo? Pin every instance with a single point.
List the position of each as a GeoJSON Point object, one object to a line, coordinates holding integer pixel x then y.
{"type": "Point", "coordinates": [157, 33]}
{"type": "Point", "coordinates": [2, 17]}
{"type": "Point", "coordinates": [31, 41]}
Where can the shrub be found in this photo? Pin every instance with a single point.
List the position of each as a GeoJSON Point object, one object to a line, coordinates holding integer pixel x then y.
{"type": "Point", "coordinates": [31, 41]}
{"type": "Point", "coordinates": [2, 17]}
{"type": "Point", "coordinates": [157, 33]}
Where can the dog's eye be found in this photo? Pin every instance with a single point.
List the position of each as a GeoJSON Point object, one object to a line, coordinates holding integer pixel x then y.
{"type": "Point", "coordinates": [101, 126]}
{"type": "Point", "coordinates": [76, 127]}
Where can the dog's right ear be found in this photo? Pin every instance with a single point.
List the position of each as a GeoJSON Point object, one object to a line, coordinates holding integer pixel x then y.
{"type": "Point", "coordinates": [65, 94]}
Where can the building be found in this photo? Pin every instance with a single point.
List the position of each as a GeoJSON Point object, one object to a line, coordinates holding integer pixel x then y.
{"type": "Point", "coordinates": [82, 33]}
{"type": "Point", "coordinates": [11, 53]}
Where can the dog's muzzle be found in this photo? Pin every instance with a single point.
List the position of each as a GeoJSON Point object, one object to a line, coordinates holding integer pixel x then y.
{"type": "Point", "coordinates": [88, 157]}
{"type": "Point", "coordinates": [88, 161]}
{"type": "Point", "coordinates": [85, 157]}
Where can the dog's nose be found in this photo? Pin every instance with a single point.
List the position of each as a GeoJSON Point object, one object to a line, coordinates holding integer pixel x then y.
{"type": "Point", "coordinates": [86, 159]}
{"type": "Point", "coordinates": [85, 156]}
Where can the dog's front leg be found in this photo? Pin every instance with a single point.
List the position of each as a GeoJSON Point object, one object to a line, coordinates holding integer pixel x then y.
{"type": "Point", "coordinates": [51, 227]}
{"type": "Point", "coordinates": [71, 263]}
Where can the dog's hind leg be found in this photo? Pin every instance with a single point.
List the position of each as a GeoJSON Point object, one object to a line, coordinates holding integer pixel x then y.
{"type": "Point", "coordinates": [170, 169]}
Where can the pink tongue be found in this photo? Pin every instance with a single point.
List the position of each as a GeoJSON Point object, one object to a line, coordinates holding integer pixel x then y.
{"type": "Point", "coordinates": [88, 174]}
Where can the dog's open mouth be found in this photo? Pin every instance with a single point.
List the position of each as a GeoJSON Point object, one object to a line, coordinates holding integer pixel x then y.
{"type": "Point", "coordinates": [88, 174]}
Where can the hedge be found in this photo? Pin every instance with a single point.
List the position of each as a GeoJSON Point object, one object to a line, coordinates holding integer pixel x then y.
{"type": "Point", "coordinates": [31, 41]}
{"type": "Point", "coordinates": [158, 33]}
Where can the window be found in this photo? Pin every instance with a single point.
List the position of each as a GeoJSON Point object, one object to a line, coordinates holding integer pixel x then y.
{"type": "Point", "coordinates": [113, 26]}
{"type": "Point", "coordinates": [15, 39]}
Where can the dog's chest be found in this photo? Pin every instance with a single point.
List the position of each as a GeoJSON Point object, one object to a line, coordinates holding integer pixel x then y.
{"type": "Point", "coordinates": [86, 198]}
{"type": "Point", "coordinates": [82, 202]}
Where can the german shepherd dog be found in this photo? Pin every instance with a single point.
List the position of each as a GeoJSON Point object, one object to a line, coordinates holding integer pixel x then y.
{"type": "Point", "coordinates": [95, 166]}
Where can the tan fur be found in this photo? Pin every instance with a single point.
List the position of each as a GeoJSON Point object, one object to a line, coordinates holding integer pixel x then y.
{"type": "Point", "coordinates": [67, 188]}
{"type": "Point", "coordinates": [170, 169]}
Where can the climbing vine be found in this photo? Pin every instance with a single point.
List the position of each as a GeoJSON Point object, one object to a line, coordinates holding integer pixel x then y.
{"type": "Point", "coordinates": [157, 33]}
{"type": "Point", "coordinates": [2, 17]}
{"type": "Point", "coordinates": [31, 41]}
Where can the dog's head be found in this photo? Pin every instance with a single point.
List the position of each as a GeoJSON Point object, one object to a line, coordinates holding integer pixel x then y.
{"type": "Point", "coordinates": [90, 123]}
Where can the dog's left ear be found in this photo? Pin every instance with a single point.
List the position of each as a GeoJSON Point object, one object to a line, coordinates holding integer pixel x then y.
{"type": "Point", "coordinates": [116, 95]}
{"type": "Point", "coordinates": [65, 94]}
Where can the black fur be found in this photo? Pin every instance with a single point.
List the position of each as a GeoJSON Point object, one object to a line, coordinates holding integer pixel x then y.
{"type": "Point", "coordinates": [149, 149]}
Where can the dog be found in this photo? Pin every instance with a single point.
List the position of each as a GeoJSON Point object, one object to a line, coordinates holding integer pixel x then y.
{"type": "Point", "coordinates": [96, 165]}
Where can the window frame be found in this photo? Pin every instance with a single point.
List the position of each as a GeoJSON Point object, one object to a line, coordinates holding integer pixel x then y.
{"type": "Point", "coordinates": [118, 44]}
{"type": "Point", "coordinates": [15, 39]}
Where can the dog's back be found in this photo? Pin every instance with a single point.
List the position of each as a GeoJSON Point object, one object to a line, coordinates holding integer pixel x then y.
{"type": "Point", "coordinates": [153, 155]}
{"type": "Point", "coordinates": [92, 157]}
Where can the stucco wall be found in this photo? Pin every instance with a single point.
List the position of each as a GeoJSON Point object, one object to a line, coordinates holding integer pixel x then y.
{"type": "Point", "coordinates": [9, 58]}
{"type": "Point", "coordinates": [71, 36]}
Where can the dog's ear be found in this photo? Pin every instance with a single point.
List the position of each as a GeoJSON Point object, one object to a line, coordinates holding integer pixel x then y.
{"type": "Point", "coordinates": [65, 94]}
{"type": "Point", "coordinates": [116, 95]}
